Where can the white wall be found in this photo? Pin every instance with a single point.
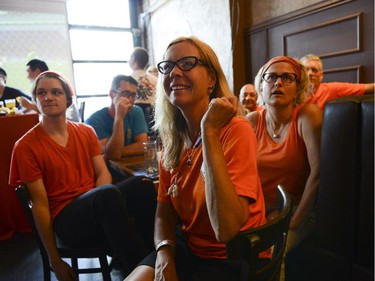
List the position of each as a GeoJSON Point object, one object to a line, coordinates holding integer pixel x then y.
{"type": "Point", "coordinates": [209, 20]}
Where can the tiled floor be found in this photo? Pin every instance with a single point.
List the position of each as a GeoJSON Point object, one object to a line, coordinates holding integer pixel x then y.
{"type": "Point", "coordinates": [20, 261]}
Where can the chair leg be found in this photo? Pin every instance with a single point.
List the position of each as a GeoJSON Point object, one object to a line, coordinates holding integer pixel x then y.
{"type": "Point", "coordinates": [46, 267]}
{"type": "Point", "coordinates": [105, 268]}
{"type": "Point", "coordinates": [46, 271]}
{"type": "Point", "coordinates": [74, 264]}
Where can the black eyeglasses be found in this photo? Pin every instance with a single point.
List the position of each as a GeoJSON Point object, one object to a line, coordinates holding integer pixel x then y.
{"type": "Point", "coordinates": [126, 93]}
{"type": "Point", "coordinates": [286, 77]}
{"type": "Point", "coordinates": [185, 64]}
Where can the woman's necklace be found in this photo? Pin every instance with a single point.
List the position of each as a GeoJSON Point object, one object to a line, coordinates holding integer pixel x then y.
{"type": "Point", "coordinates": [278, 134]}
{"type": "Point", "coordinates": [191, 149]}
{"type": "Point", "coordinates": [173, 189]}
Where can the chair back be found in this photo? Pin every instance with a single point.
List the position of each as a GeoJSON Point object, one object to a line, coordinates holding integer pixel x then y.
{"type": "Point", "coordinates": [26, 203]}
{"type": "Point", "coordinates": [247, 245]}
{"type": "Point", "coordinates": [65, 252]}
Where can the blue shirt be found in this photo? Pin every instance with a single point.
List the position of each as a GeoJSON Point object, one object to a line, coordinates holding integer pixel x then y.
{"type": "Point", "coordinates": [134, 124]}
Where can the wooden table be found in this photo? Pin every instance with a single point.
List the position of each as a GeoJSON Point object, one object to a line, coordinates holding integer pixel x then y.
{"type": "Point", "coordinates": [131, 166]}
{"type": "Point", "coordinates": [12, 217]}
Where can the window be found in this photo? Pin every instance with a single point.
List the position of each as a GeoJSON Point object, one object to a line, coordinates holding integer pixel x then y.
{"type": "Point", "coordinates": [101, 42]}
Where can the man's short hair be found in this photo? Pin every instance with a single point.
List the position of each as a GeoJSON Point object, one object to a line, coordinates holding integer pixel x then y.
{"type": "Point", "coordinates": [313, 58]}
{"type": "Point", "coordinates": [118, 78]}
{"type": "Point", "coordinates": [140, 55]}
{"type": "Point", "coordinates": [3, 72]}
{"type": "Point", "coordinates": [35, 64]}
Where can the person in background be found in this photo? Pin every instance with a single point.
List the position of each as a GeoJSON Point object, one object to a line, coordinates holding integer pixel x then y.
{"type": "Point", "coordinates": [205, 182]}
{"type": "Point", "coordinates": [323, 92]}
{"type": "Point", "coordinates": [34, 68]}
{"type": "Point", "coordinates": [249, 97]}
{"type": "Point", "coordinates": [61, 163]}
{"type": "Point", "coordinates": [152, 70]}
{"type": "Point", "coordinates": [146, 83]}
{"type": "Point", "coordinates": [288, 133]}
{"type": "Point", "coordinates": [121, 127]}
{"type": "Point", "coordinates": [9, 92]}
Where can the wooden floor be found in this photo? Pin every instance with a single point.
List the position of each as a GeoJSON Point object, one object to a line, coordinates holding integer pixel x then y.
{"type": "Point", "coordinates": [20, 260]}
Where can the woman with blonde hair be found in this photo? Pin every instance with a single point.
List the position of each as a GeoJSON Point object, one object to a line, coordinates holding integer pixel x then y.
{"type": "Point", "coordinates": [288, 134]}
{"type": "Point", "coordinates": [208, 191]}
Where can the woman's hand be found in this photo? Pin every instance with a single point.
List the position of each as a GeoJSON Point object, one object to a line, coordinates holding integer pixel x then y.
{"type": "Point", "coordinates": [220, 112]}
{"type": "Point", "coordinates": [165, 268]}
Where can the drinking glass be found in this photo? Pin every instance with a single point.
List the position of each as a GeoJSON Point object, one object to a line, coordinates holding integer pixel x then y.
{"type": "Point", "coordinates": [151, 161]}
{"type": "Point", "coordinates": [10, 104]}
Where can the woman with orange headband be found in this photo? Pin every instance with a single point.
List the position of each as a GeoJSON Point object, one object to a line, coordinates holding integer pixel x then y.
{"type": "Point", "coordinates": [288, 134]}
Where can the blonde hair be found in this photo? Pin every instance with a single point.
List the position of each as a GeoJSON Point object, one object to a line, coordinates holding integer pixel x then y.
{"type": "Point", "coordinates": [169, 121]}
{"type": "Point", "coordinates": [303, 83]}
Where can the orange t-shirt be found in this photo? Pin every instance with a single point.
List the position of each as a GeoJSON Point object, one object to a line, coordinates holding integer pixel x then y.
{"type": "Point", "coordinates": [333, 90]}
{"type": "Point", "coordinates": [66, 171]}
{"type": "Point", "coordinates": [239, 146]}
{"type": "Point", "coordinates": [285, 163]}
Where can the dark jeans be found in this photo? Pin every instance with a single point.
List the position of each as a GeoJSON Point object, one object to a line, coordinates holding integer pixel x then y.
{"type": "Point", "coordinates": [121, 217]}
{"type": "Point", "coordinates": [192, 268]}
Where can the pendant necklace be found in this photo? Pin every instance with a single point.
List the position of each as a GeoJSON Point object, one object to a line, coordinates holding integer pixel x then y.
{"type": "Point", "coordinates": [277, 135]}
{"type": "Point", "coordinates": [191, 149]}
{"type": "Point", "coordinates": [173, 189]}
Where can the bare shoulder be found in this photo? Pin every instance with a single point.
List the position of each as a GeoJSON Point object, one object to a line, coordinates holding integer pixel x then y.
{"type": "Point", "coordinates": [310, 110]}
{"type": "Point", "coordinates": [253, 117]}
{"type": "Point", "coordinates": [310, 116]}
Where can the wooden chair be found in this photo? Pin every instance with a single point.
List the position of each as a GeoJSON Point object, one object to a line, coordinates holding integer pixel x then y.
{"type": "Point", "coordinates": [65, 252]}
{"type": "Point", "coordinates": [247, 245]}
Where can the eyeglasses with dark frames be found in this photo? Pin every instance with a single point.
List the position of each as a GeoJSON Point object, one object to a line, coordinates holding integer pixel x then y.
{"type": "Point", "coordinates": [184, 64]}
{"type": "Point", "coordinates": [126, 93]}
{"type": "Point", "coordinates": [286, 77]}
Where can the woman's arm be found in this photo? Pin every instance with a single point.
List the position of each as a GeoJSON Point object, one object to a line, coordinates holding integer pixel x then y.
{"type": "Point", "coordinates": [309, 127]}
{"type": "Point", "coordinates": [43, 223]}
{"type": "Point", "coordinates": [165, 230]}
{"type": "Point", "coordinates": [228, 211]}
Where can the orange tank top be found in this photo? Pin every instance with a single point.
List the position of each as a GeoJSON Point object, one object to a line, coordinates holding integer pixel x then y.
{"type": "Point", "coordinates": [285, 163]}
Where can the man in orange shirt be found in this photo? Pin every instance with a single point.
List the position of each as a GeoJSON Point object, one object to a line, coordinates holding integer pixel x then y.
{"type": "Point", "coordinates": [323, 92]}
{"type": "Point", "coordinates": [248, 97]}
{"type": "Point", "coordinates": [62, 164]}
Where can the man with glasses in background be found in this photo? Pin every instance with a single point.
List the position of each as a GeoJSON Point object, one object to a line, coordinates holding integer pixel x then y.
{"type": "Point", "coordinates": [321, 92]}
{"type": "Point", "coordinates": [121, 127]}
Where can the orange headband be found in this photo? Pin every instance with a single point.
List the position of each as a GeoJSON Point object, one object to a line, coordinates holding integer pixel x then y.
{"type": "Point", "coordinates": [294, 63]}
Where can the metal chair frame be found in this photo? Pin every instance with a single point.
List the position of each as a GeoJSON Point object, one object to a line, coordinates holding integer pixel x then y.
{"type": "Point", "coordinates": [247, 245]}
